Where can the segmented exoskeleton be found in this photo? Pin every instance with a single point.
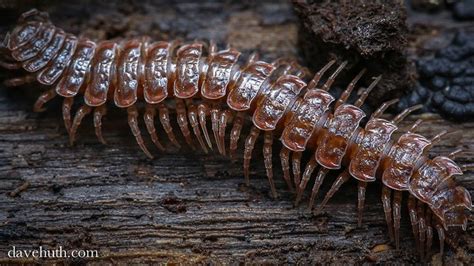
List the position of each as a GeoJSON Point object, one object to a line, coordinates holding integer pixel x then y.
{"type": "Point", "coordinates": [203, 82]}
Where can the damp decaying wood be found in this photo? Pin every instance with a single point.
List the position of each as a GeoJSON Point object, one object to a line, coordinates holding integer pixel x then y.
{"type": "Point", "coordinates": [183, 206]}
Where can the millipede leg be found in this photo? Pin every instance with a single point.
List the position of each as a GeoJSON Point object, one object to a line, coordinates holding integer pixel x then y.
{"type": "Point", "coordinates": [341, 179]}
{"type": "Point", "coordinates": [283, 61]}
{"type": "Point", "coordinates": [183, 122]}
{"type": "Point", "coordinates": [212, 47]}
{"type": "Point", "coordinates": [133, 123]}
{"type": "Point", "coordinates": [315, 80]}
{"type": "Point", "coordinates": [441, 237]}
{"type": "Point", "coordinates": [149, 118]}
{"type": "Point", "coordinates": [267, 155]}
{"type": "Point", "coordinates": [224, 118]}
{"type": "Point", "coordinates": [296, 165]}
{"type": "Point", "coordinates": [429, 233]}
{"type": "Point", "coordinates": [436, 139]}
{"type": "Point", "coordinates": [215, 126]}
{"type": "Point", "coordinates": [414, 127]}
{"type": "Point", "coordinates": [386, 199]}
{"type": "Point", "coordinates": [67, 104]}
{"type": "Point", "coordinates": [249, 145]}
{"type": "Point", "coordinates": [361, 188]}
{"type": "Point", "coordinates": [99, 112]}
{"type": "Point", "coordinates": [332, 78]}
{"type": "Point", "coordinates": [317, 182]}
{"type": "Point", "coordinates": [366, 92]}
{"type": "Point", "coordinates": [414, 219]}
{"type": "Point", "coordinates": [194, 121]}
{"type": "Point", "coordinates": [165, 122]}
{"type": "Point", "coordinates": [421, 227]}
{"type": "Point", "coordinates": [10, 66]}
{"type": "Point", "coordinates": [453, 154]}
{"type": "Point", "coordinates": [285, 165]}
{"type": "Point", "coordinates": [235, 133]}
{"type": "Point", "coordinates": [252, 58]}
{"type": "Point", "coordinates": [44, 98]}
{"type": "Point", "coordinates": [80, 114]}
{"type": "Point", "coordinates": [306, 176]}
{"type": "Point", "coordinates": [343, 98]}
{"type": "Point", "coordinates": [15, 82]}
{"type": "Point", "coordinates": [397, 200]}
{"type": "Point", "coordinates": [383, 107]}
{"type": "Point", "coordinates": [203, 111]}
{"type": "Point", "coordinates": [405, 113]}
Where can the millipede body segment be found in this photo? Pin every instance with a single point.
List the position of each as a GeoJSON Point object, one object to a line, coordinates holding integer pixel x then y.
{"type": "Point", "coordinates": [205, 84]}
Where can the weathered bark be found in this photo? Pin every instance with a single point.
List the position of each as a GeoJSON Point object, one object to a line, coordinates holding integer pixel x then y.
{"type": "Point", "coordinates": [180, 207]}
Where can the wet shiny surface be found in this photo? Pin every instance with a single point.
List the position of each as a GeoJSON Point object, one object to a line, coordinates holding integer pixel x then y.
{"type": "Point", "coordinates": [303, 123]}
{"type": "Point", "coordinates": [273, 105]}
{"type": "Point", "coordinates": [425, 181]}
{"type": "Point", "coordinates": [72, 81]}
{"type": "Point", "coordinates": [335, 141]}
{"type": "Point", "coordinates": [51, 73]}
{"type": "Point", "coordinates": [125, 93]}
{"type": "Point", "coordinates": [156, 72]}
{"type": "Point", "coordinates": [248, 85]}
{"type": "Point", "coordinates": [402, 159]}
{"type": "Point", "coordinates": [35, 45]}
{"type": "Point", "coordinates": [376, 136]}
{"type": "Point", "coordinates": [101, 71]}
{"type": "Point", "coordinates": [219, 74]}
{"type": "Point", "coordinates": [24, 33]}
{"type": "Point", "coordinates": [43, 58]}
{"type": "Point", "coordinates": [187, 70]}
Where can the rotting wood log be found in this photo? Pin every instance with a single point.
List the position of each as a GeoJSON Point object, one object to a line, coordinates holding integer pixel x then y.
{"type": "Point", "coordinates": [180, 207]}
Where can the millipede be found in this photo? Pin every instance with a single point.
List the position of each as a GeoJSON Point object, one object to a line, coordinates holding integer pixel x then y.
{"type": "Point", "coordinates": [209, 89]}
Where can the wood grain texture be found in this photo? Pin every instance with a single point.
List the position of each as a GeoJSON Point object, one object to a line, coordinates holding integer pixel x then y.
{"type": "Point", "coordinates": [181, 207]}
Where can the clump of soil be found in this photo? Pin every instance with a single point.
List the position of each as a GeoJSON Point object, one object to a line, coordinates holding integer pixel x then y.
{"type": "Point", "coordinates": [370, 35]}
